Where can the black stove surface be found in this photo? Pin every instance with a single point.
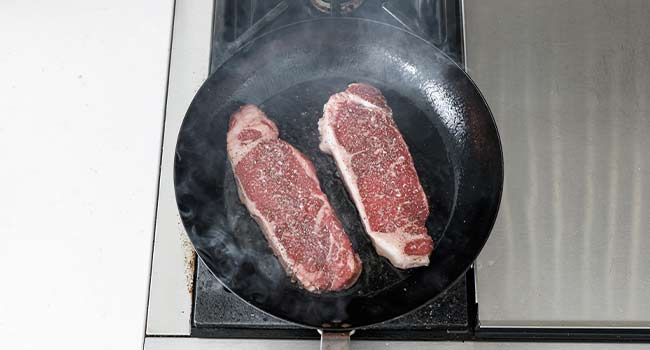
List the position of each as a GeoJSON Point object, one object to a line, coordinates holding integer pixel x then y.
{"type": "Point", "coordinates": [217, 312]}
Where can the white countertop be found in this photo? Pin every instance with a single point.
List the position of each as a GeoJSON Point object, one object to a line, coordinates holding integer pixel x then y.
{"type": "Point", "coordinates": [82, 94]}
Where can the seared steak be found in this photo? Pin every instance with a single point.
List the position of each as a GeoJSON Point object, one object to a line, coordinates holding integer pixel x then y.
{"type": "Point", "coordinates": [278, 185]}
{"type": "Point", "coordinates": [358, 130]}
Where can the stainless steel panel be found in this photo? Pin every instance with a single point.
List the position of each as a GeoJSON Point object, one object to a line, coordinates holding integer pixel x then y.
{"type": "Point", "coordinates": [171, 343]}
{"type": "Point", "coordinates": [568, 82]}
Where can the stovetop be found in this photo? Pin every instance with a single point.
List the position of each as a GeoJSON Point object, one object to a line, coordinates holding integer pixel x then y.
{"type": "Point", "coordinates": [217, 312]}
{"type": "Point", "coordinates": [236, 22]}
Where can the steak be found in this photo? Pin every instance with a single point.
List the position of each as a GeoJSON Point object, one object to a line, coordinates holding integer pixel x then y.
{"type": "Point", "coordinates": [358, 130]}
{"type": "Point", "coordinates": [279, 187]}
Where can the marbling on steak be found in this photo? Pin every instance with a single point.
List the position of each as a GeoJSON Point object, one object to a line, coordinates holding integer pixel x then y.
{"type": "Point", "coordinates": [358, 130]}
{"type": "Point", "coordinates": [278, 185]}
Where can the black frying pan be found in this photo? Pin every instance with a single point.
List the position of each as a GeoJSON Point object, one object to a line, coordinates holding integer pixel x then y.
{"type": "Point", "coordinates": [290, 73]}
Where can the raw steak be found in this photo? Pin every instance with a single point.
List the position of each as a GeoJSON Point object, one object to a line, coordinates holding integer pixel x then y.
{"type": "Point", "coordinates": [278, 185]}
{"type": "Point", "coordinates": [358, 130]}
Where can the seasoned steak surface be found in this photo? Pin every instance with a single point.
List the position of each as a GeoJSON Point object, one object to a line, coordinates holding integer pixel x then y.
{"type": "Point", "coordinates": [358, 130]}
{"type": "Point", "coordinates": [278, 185]}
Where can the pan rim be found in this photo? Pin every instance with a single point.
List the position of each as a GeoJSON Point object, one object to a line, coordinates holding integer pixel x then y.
{"type": "Point", "coordinates": [500, 171]}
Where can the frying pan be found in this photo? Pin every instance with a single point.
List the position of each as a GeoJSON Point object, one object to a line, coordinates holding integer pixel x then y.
{"type": "Point", "coordinates": [290, 73]}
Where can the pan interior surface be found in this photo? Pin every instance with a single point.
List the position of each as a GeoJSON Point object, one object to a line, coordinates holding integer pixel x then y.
{"type": "Point", "coordinates": [290, 74]}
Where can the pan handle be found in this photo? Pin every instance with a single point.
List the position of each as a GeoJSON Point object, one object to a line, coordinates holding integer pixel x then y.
{"type": "Point", "coordinates": [334, 340]}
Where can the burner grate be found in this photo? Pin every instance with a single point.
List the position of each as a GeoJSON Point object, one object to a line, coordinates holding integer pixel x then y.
{"type": "Point", "coordinates": [219, 313]}
{"type": "Point", "coordinates": [327, 6]}
{"type": "Point", "coordinates": [236, 22]}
